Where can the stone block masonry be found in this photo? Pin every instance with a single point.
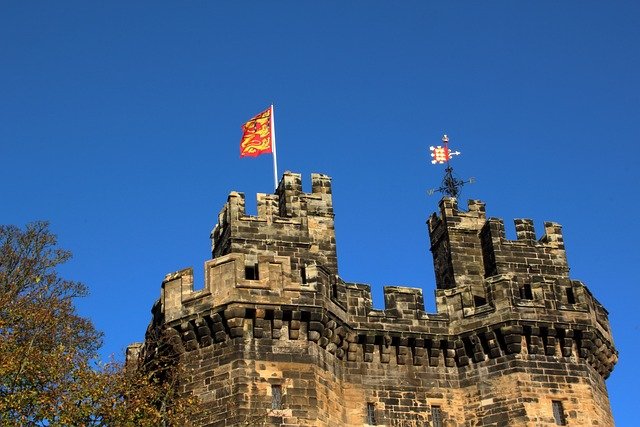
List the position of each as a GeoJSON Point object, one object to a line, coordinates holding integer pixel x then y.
{"type": "Point", "coordinates": [277, 338]}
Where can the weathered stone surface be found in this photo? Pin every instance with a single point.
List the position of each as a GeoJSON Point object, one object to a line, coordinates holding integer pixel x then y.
{"type": "Point", "coordinates": [512, 333]}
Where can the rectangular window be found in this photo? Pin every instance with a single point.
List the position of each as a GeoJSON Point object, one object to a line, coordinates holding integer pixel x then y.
{"type": "Point", "coordinates": [251, 272]}
{"type": "Point", "coordinates": [571, 299]}
{"type": "Point", "coordinates": [303, 275]}
{"type": "Point", "coordinates": [558, 413]}
{"type": "Point", "coordinates": [371, 414]}
{"type": "Point", "coordinates": [479, 301]}
{"type": "Point", "coordinates": [436, 416]}
{"type": "Point", "coordinates": [276, 397]}
{"type": "Point", "coordinates": [525, 292]}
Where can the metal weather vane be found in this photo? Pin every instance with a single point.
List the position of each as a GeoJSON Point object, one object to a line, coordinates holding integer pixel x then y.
{"type": "Point", "coordinates": [451, 185]}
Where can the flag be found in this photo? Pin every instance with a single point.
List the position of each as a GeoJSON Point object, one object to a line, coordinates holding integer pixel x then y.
{"type": "Point", "coordinates": [440, 154]}
{"type": "Point", "coordinates": [256, 135]}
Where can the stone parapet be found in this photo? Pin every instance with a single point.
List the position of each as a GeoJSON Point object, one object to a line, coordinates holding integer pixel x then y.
{"type": "Point", "coordinates": [546, 322]}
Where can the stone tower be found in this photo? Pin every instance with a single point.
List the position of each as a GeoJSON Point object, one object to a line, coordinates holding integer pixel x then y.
{"type": "Point", "coordinates": [277, 338]}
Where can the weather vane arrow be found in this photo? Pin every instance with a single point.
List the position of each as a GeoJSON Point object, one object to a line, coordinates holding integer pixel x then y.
{"type": "Point", "coordinates": [451, 185]}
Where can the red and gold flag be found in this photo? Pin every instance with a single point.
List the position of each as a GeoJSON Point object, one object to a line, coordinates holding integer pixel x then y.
{"type": "Point", "coordinates": [256, 135]}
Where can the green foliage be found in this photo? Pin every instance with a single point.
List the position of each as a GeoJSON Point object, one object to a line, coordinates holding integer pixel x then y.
{"type": "Point", "coordinates": [48, 373]}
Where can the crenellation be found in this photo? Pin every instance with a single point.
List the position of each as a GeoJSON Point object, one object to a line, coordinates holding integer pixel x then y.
{"type": "Point", "coordinates": [402, 302]}
{"type": "Point", "coordinates": [525, 229]}
{"type": "Point", "coordinates": [553, 235]}
{"type": "Point", "coordinates": [359, 299]}
{"type": "Point", "coordinates": [512, 332]}
{"type": "Point", "coordinates": [267, 205]}
{"type": "Point", "coordinates": [289, 193]}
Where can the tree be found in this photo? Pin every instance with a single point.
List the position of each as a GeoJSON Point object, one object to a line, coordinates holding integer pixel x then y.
{"type": "Point", "coordinates": [49, 373]}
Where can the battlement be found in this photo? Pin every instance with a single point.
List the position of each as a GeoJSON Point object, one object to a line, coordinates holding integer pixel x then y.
{"type": "Point", "coordinates": [289, 223]}
{"type": "Point", "coordinates": [232, 306]}
{"type": "Point", "coordinates": [254, 282]}
{"type": "Point", "coordinates": [468, 248]}
{"type": "Point", "coordinates": [525, 255]}
{"type": "Point", "coordinates": [449, 213]}
{"type": "Point", "coordinates": [503, 306]}
{"type": "Point", "coordinates": [227, 281]}
{"type": "Point", "coordinates": [241, 278]}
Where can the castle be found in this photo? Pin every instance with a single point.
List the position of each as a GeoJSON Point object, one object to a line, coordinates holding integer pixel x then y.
{"type": "Point", "coordinates": [277, 338]}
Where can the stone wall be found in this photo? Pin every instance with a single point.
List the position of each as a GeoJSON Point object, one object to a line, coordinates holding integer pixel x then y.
{"type": "Point", "coordinates": [276, 337]}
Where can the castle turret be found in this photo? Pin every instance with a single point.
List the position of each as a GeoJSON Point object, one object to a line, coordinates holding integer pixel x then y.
{"type": "Point", "coordinates": [525, 281]}
{"type": "Point", "coordinates": [289, 223]}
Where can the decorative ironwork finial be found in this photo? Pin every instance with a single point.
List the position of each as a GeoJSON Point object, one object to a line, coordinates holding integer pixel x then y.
{"type": "Point", "coordinates": [451, 186]}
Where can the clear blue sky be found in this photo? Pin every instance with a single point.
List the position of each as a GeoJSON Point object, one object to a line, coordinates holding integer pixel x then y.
{"type": "Point", "coordinates": [120, 123]}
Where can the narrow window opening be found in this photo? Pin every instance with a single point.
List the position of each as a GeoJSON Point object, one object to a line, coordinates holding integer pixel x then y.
{"type": "Point", "coordinates": [276, 397]}
{"type": "Point", "coordinates": [479, 301]}
{"type": "Point", "coordinates": [251, 272]}
{"type": "Point", "coordinates": [436, 416]}
{"type": "Point", "coordinates": [558, 413]}
{"type": "Point", "coordinates": [526, 292]}
{"type": "Point", "coordinates": [334, 290]}
{"type": "Point", "coordinates": [571, 299]}
{"type": "Point", "coordinates": [303, 275]}
{"type": "Point", "coordinates": [371, 414]}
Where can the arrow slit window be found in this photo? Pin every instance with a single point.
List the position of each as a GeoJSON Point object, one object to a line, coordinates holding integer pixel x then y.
{"type": "Point", "coordinates": [558, 413]}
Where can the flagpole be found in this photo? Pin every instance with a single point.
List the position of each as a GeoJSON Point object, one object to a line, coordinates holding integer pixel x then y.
{"type": "Point", "coordinates": [273, 148]}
